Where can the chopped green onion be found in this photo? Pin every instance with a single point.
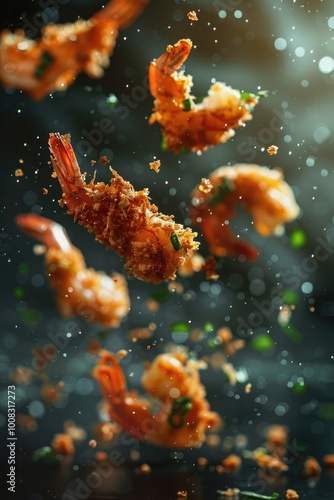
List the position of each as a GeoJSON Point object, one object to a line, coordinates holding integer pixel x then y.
{"type": "Point", "coordinates": [299, 388]}
{"type": "Point", "coordinates": [46, 60]}
{"type": "Point", "coordinates": [289, 297]}
{"type": "Point", "coordinates": [23, 268]}
{"type": "Point", "coordinates": [184, 151]}
{"type": "Point", "coordinates": [180, 327]}
{"type": "Point", "coordinates": [249, 494]}
{"type": "Point", "coordinates": [187, 103]}
{"type": "Point", "coordinates": [30, 317]}
{"type": "Point", "coordinates": [103, 334]}
{"type": "Point", "coordinates": [325, 411]}
{"type": "Point", "coordinates": [244, 96]}
{"type": "Point", "coordinates": [180, 408]}
{"type": "Point", "coordinates": [298, 238]}
{"type": "Point", "coordinates": [292, 332]}
{"type": "Point", "coordinates": [213, 343]}
{"type": "Point", "coordinates": [262, 342]}
{"type": "Point", "coordinates": [175, 242]}
{"type": "Point", "coordinates": [18, 292]}
{"type": "Point", "coordinates": [198, 100]}
{"type": "Point", "coordinates": [161, 295]}
{"type": "Point", "coordinates": [112, 100]}
{"type": "Point", "coordinates": [163, 145]}
{"type": "Point", "coordinates": [45, 456]}
{"type": "Point", "coordinates": [208, 327]}
{"type": "Point", "coordinates": [225, 188]}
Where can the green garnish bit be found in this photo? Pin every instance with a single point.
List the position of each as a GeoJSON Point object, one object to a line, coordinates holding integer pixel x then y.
{"type": "Point", "coordinates": [184, 151]}
{"type": "Point", "coordinates": [292, 332]}
{"type": "Point", "coordinates": [180, 327]}
{"type": "Point", "coordinates": [30, 317]}
{"type": "Point", "coordinates": [289, 297]}
{"type": "Point", "coordinates": [208, 327]}
{"type": "Point", "coordinates": [298, 238]}
{"type": "Point", "coordinates": [45, 456]}
{"type": "Point", "coordinates": [103, 334]}
{"type": "Point", "coordinates": [18, 292]}
{"type": "Point", "coordinates": [179, 410]}
{"type": "Point", "coordinates": [112, 100]}
{"type": "Point", "coordinates": [213, 343]}
{"type": "Point", "coordinates": [225, 188]}
{"type": "Point", "coordinates": [23, 268]}
{"type": "Point", "coordinates": [175, 242]}
{"type": "Point", "coordinates": [163, 145]}
{"type": "Point", "coordinates": [46, 60]}
{"type": "Point", "coordinates": [161, 295]}
{"type": "Point", "coordinates": [188, 104]}
{"type": "Point", "coordinates": [262, 342]}
{"type": "Point", "coordinates": [244, 96]}
{"type": "Point", "coordinates": [249, 494]}
{"type": "Point", "coordinates": [198, 100]}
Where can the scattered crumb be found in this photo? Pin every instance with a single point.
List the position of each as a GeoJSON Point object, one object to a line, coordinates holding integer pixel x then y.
{"type": "Point", "coordinates": [51, 393]}
{"type": "Point", "coordinates": [75, 433]}
{"type": "Point", "coordinates": [148, 348]}
{"type": "Point", "coordinates": [192, 16]}
{"type": "Point", "coordinates": [21, 160]}
{"type": "Point", "coordinates": [135, 455]}
{"type": "Point", "coordinates": [93, 162]}
{"type": "Point", "coordinates": [231, 463]}
{"type": "Point", "coordinates": [92, 443]}
{"type": "Point", "coordinates": [291, 494]}
{"type": "Point", "coordinates": [202, 462]}
{"type": "Point", "coordinates": [182, 494]}
{"type": "Point", "coordinates": [22, 375]}
{"type": "Point", "coordinates": [101, 456]}
{"type": "Point", "coordinates": [155, 165]}
{"type": "Point", "coordinates": [224, 334]}
{"type": "Point", "coordinates": [63, 444]}
{"type": "Point", "coordinates": [122, 353]}
{"type": "Point", "coordinates": [272, 150]}
{"type": "Point", "coordinates": [311, 467]}
{"type": "Point", "coordinates": [248, 388]}
{"type": "Point", "coordinates": [205, 185]}
{"type": "Point", "coordinates": [144, 469]}
{"type": "Point", "coordinates": [105, 431]}
{"type": "Point", "coordinates": [54, 175]}
{"type": "Point", "coordinates": [140, 334]}
{"type": "Point", "coordinates": [230, 492]}
{"type": "Point", "coordinates": [104, 160]}
{"type": "Point", "coordinates": [152, 305]}
{"type": "Point", "coordinates": [19, 172]}
{"type": "Point", "coordinates": [213, 440]}
{"type": "Point", "coordinates": [45, 191]}
{"type": "Point", "coordinates": [26, 423]}
{"type": "Point", "coordinates": [219, 469]}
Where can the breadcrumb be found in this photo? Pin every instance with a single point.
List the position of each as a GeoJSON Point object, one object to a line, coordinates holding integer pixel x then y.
{"type": "Point", "coordinates": [205, 185]}
{"type": "Point", "coordinates": [248, 388]}
{"type": "Point", "coordinates": [192, 16]}
{"type": "Point", "coordinates": [155, 165]}
{"type": "Point", "coordinates": [272, 150]}
{"type": "Point", "coordinates": [210, 268]}
{"type": "Point", "coordinates": [144, 469]}
{"type": "Point", "coordinates": [104, 160]}
{"type": "Point", "coordinates": [231, 463]}
{"type": "Point", "coordinates": [101, 456]}
{"type": "Point", "coordinates": [19, 172]}
{"type": "Point", "coordinates": [182, 494]}
{"type": "Point", "coordinates": [63, 444]}
{"type": "Point", "coordinates": [45, 191]}
{"type": "Point", "coordinates": [291, 494]}
{"type": "Point", "coordinates": [92, 443]}
{"type": "Point", "coordinates": [311, 467]}
{"type": "Point", "coordinates": [122, 353]}
{"type": "Point", "coordinates": [329, 460]}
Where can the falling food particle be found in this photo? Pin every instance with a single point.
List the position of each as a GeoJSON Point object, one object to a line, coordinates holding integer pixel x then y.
{"type": "Point", "coordinates": [104, 160]}
{"type": "Point", "coordinates": [94, 347]}
{"type": "Point", "coordinates": [248, 388]}
{"type": "Point", "coordinates": [210, 268]}
{"type": "Point", "coordinates": [122, 353]}
{"type": "Point", "coordinates": [205, 185]}
{"type": "Point", "coordinates": [140, 334]}
{"type": "Point", "coordinates": [182, 494]}
{"type": "Point", "coordinates": [231, 463]}
{"type": "Point", "coordinates": [62, 444]}
{"type": "Point", "coordinates": [230, 493]}
{"type": "Point", "coordinates": [54, 175]}
{"type": "Point", "coordinates": [192, 16]}
{"type": "Point", "coordinates": [92, 163]}
{"type": "Point", "coordinates": [311, 467]}
{"type": "Point", "coordinates": [148, 348]}
{"type": "Point", "coordinates": [21, 161]}
{"type": "Point", "coordinates": [329, 460]}
{"type": "Point", "coordinates": [144, 469]}
{"type": "Point", "coordinates": [19, 172]}
{"type": "Point", "coordinates": [92, 443]}
{"type": "Point", "coordinates": [291, 495]}
{"type": "Point", "coordinates": [284, 315]}
{"type": "Point", "coordinates": [272, 150]}
{"type": "Point", "coordinates": [44, 191]}
{"type": "Point", "coordinates": [101, 456]}
{"type": "Point", "coordinates": [155, 165]}
{"type": "Point", "coordinates": [202, 462]}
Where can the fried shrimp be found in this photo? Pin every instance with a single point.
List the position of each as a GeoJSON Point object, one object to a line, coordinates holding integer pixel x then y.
{"type": "Point", "coordinates": [52, 62]}
{"type": "Point", "coordinates": [261, 191]}
{"type": "Point", "coordinates": [154, 246]}
{"type": "Point", "coordinates": [183, 416]}
{"type": "Point", "coordinates": [187, 124]}
{"type": "Point", "coordinates": [91, 294]}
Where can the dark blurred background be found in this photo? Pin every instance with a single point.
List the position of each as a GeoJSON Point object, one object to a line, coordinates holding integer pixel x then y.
{"type": "Point", "coordinates": [285, 47]}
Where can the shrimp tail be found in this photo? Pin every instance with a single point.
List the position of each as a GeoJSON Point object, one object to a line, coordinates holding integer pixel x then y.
{"type": "Point", "coordinates": [65, 164]}
{"type": "Point", "coordinates": [123, 12]}
{"type": "Point", "coordinates": [110, 377]}
{"type": "Point", "coordinates": [51, 234]}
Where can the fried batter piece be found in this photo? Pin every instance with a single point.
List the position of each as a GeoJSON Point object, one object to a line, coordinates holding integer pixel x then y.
{"type": "Point", "coordinates": [83, 292]}
{"type": "Point", "coordinates": [187, 125]}
{"type": "Point", "coordinates": [154, 246]}
{"type": "Point", "coordinates": [261, 191]}
{"type": "Point", "coordinates": [183, 415]}
{"type": "Point", "coordinates": [52, 63]}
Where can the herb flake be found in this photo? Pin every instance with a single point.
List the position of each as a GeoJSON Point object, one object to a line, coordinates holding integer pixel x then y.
{"type": "Point", "coordinates": [46, 60]}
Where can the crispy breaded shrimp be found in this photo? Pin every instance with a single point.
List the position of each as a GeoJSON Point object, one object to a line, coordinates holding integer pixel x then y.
{"type": "Point", "coordinates": [262, 192]}
{"type": "Point", "coordinates": [153, 245]}
{"type": "Point", "coordinates": [185, 124]}
{"type": "Point", "coordinates": [52, 63]}
{"type": "Point", "coordinates": [91, 294]}
{"type": "Point", "coordinates": [183, 416]}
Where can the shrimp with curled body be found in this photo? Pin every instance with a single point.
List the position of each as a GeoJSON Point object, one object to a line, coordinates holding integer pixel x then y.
{"type": "Point", "coordinates": [63, 51]}
{"type": "Point", "coordinates": [261, 191]}
{"type": "Point", "coordinates": [186, 124]}
{"type": "Point", "coordinates": [154, 246]}
{"type": "Point", "coordinates": [183, 416]}
{"type": "Point", "coordinates": [91, 294]}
